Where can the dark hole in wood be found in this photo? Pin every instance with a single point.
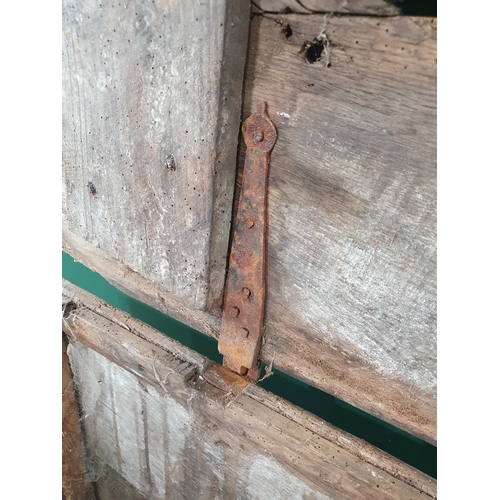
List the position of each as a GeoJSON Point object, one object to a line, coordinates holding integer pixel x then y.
{"type": "Point", "coordinates": [312, 50]}
{"type": "Point", "coordinates": [287, 31]}
{"type": "Point", "coordinates": [170, 163]}
{"type": "Point", "coordinates": [68, 307]}
{"type": "Point", "coordinates": [92, 189]}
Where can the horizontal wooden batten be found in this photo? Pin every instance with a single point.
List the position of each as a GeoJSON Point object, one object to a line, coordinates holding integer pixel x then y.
{"type": "Point", "coordinates": [199, 428]}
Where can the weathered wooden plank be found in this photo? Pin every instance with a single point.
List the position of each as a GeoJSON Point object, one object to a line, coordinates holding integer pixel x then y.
{"type": "Point", "coordinates": [212, 436]}
{"type": "Point", "coordinates": [151, 108]}
{"type": "Point", "coordinates": [138, 287]}
{"type": "Point", "coordinates": [351, 304]}
{"type": "Point", "coordinates": [76, 297]}
{"type": "Point", "coordinates": [365, 7]}
{"type": "Point", "coordinates": [76, 484]}
{"type": "Point", "coordinates": [111, 486]}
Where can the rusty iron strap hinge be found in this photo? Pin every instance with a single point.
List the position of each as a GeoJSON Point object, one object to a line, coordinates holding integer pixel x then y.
{"type": "Point", "coordinates": [243, 311]}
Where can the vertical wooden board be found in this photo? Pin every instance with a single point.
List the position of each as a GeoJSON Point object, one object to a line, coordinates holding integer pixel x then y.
{"type": "Point", "coordinates": [151, 109]}
{"type": "Point", "coordinates": [163, 448]}
{"type": "Point", "coordinates": [76, 484]}
{"type": "Point", "coordinates": [351, 304]}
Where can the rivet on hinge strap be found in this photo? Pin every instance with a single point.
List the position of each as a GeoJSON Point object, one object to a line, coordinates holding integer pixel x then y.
{"type": "Point", "coordinates": [243, 311]}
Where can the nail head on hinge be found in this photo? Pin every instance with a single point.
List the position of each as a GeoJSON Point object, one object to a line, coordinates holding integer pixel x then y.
{"type": "Point", "coordinates": [249, 223]}
{"type": "Point", "coordinates": [258, 136]}
{"type": "Point", "coordinates": [234, 312]}
{"type": "Point", "coordinates": [244, 332]}
{"type": "Point", "coordinates": [246, 292]}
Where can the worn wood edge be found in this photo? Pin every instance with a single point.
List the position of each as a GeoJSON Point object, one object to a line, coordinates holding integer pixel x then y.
{"type": "Point", "coordinates": [148, 354]}
{"type": "Point", "coordinates": [75, 297]}
{"type": "Point", "coordinates": [76, 483]}
{"type": "Point", "coordinates": [235, 386]}
{"type": "Point", "coordinates": [354, 445]}
{"type": "Point", "coordinates": [388, 410]}
{"type": "Point", "coordinates": [147, 361]}
{"type": "Point", "coordinates": [234, 50]}
{"type": "Point", "coordinates": [137, 286]}
{"type": "Point", "coordinates": [360, 7]}
{"type": "Point", "coordinates": [159, 362]}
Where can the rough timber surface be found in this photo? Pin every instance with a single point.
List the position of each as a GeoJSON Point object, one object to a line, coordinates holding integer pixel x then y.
{"type": "Point", "coordinates": [151, 112]}
{"type": "Point", "coordinates": [175, 425]}
{"type": "Point", "coordinates": [137, 286]}
{"type": "Point", "coordinates": [351, 291]}
{"type": "Point", "coordinates": [365, 7]}
{"type": "Point", "coordinates": [76, 482]}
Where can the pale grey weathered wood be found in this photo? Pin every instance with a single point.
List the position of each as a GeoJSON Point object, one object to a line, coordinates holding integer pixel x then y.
{"type": "Point", "coordinates": [365, 7]}
{"type": "Point", "coordinates": [351, 299]}
{"type": "Point", "coordinates": [151, 111]}
{"type": "Point", "coordinates": [212, 436]}
{"type": "Point", "coordinates": [137, 286]}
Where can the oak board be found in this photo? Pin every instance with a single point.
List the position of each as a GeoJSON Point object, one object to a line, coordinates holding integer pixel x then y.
{"type": "Point", "coordinates": [360, 7]}
{"type": "Point", "coordinates": [351, 287]}
{"type": "Point", "coordinates": [151, 112]}
{"type": "Point", "coordinates": [351, 305]}
{"type": "Point", "coordinates": [76, 481]}
{"type": "Point", "coordinates": [164, 422]}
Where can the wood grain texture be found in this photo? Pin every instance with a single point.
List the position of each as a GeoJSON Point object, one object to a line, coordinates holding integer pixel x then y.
{"type": "Point", "coordinates": [364, 7]}
{"type": "Point", "coordinates": [111, 486]}
{"type": "Point", "coordinates": [211, 435]}
{"type": "Point", "coordinates": [78, 298]}
{"type": "Point", "coordinates": [351, 304]}
{"type": "Point", "coordinates": [151, 111]}
{"type": "Point", "coordinates": [138, 287]}
{"type": "Point", "coordinates": [76, 484]}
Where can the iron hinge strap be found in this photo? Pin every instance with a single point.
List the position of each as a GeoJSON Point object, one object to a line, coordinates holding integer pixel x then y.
{"type": "Point", "coordinates": [243, 309]}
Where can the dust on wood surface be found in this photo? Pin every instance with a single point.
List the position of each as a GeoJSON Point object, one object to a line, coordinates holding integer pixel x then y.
{"type": "Point", "coordinates": [364, 7]}
{"type": "Point", "coordinates": [175, 426]}
{"type": "Point", "coordinates": [151, 112]}
{"type": "Point", "coordinates": [76, 484]}
{"type": "Point", "coordinates": [351, 297]}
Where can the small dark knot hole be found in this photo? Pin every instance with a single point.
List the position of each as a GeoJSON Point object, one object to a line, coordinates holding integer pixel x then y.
{"type": "Point", "coordinates": [92, 189]}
